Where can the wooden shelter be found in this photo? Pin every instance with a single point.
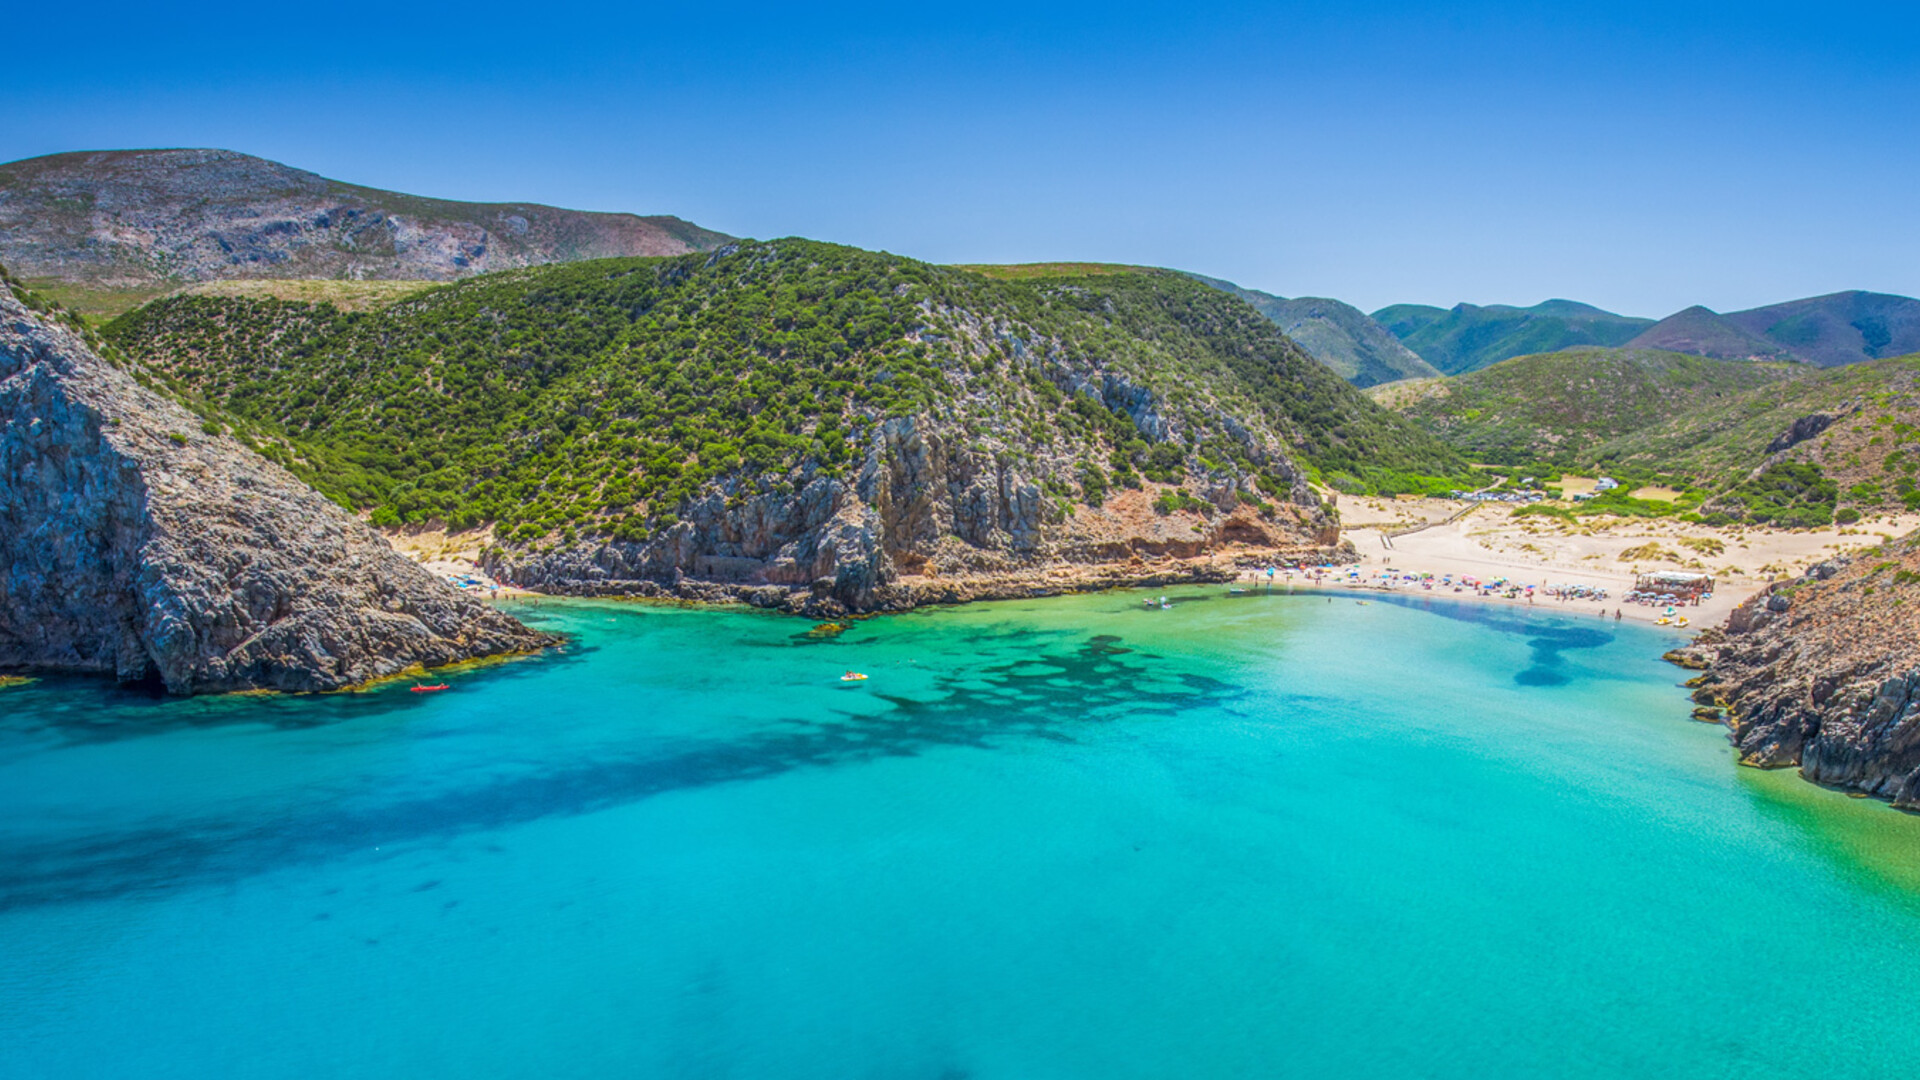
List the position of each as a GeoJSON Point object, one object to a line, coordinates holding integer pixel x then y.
{"type": "Point", "coordinates": [1685, 584]}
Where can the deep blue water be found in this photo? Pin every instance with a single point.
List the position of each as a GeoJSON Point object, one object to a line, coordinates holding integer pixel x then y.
{"type": "Point", "coordinates": [1259, 836]}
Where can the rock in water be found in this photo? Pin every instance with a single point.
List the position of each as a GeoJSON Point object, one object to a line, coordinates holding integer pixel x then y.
{"type": "Point", "coordinates": [1824, 673]}
{"type": "Point", "coordinates": [137, 544]}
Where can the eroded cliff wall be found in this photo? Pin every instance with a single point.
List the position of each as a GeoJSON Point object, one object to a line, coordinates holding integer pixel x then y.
{"type": "Point", "coordinates": [1824, 673]}
{"type": "Point", "coordinates": [136, 544]}
{"type": "Point", "coordinates": [926, 519]}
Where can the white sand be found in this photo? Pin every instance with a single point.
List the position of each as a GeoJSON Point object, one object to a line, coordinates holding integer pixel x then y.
{"type": "Point", "coordinates": [451, 556]}
{"type": "Point", "coordinates": [1490, 543]}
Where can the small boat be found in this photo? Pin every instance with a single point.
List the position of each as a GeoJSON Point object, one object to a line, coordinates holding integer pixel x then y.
{"type": "Point", "coordinates": [853, 676]}
{"type": "Point", "coordinates": [1662, 621]}
{"type": "Point", "coordinates": [1681, 621]}
{"type": "Point", "coordinates": [431, 689]}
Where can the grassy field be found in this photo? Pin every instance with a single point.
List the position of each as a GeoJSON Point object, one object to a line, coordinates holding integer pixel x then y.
{"type": "Point", "coordinates": [344, 295]}
{"type": "Point", "coordinates": [1032, 271]}
{"type": "Point", "coordinates": [96, 305]}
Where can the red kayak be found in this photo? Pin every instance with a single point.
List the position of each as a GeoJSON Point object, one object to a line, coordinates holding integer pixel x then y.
{"type": "Point", "coordinates": [430, 689]}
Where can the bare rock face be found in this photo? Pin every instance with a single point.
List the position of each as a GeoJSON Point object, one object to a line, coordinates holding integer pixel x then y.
{"type": "Point", "coordinates": [134, 219]}
{"type": "Point", "coordinates": [1802, 429]}
{"type": "Point", "coordinates": [1824, 673]}
{"type": "Point", "coordinates": [134, 543]}
{"type": "Point", "coordinates": [925, 520]}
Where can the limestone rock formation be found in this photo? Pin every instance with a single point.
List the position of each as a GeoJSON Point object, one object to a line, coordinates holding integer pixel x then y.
{"type": "Point", "coordinates": [1802, 429]}
{"type": "Point", "coordinates": [1824, 673]}
{"type": "Point", "coordinates": [135, 543]}
{"type": "Point", "coordinates": [925, 520]}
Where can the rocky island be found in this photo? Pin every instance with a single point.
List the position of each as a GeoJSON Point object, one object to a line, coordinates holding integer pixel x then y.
{"type": "Point", "coordinates": [140, 541]}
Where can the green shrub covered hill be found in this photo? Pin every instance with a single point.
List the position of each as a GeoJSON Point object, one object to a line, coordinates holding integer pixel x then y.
{"type": "Point", "coordinates": [1783, 444]}
{"type": "Point", "coordinates": [599, 401]}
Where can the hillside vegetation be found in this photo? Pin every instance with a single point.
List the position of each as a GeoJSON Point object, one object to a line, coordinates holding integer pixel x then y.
{"type": "Point", "coordinates": [1850, 436]}
{"type": "Point", "coordinates": [600, 398]}
{"type": "Point", "coordinates": [1783, 444]}
{"type": "Point", "coordinates": [343, 295]}
{"type": "Point", "coordinates": [1468, 337]}
{"type": "Point", "coordinates": [1040, 271]}
{"type": "Point", "coordinates": [1562, 406]}
{"type": "Point", "coordinates": [1338, 335]}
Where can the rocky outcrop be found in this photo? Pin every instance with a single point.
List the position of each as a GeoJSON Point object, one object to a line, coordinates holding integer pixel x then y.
{"type": "Point", "coordinates": [1823, 672]}
{"type": "Point", "coordinates": [1802, 429]}
{"type": "Point", "coordinates": [926, 520]}
{"type": "Point", "coordinates": [135, 543]}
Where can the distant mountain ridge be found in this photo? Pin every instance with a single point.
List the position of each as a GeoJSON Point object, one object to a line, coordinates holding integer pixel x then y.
{"type": "Point", "coordinates": [1826, 331]}
{"type": "Point", "coordinates": [1699, 331]}
{"type": "Point", "coordinates": [1839, 328]}
{"type": "Point", "coordinates": [1337, 334]}
{"type": "Point", "coordinates": [102, 230]}
{"type": "Point", "coordinates": [1468, 337]}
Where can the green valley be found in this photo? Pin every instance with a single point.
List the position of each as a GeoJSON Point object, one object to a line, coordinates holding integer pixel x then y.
{"type": "Point", "coordinates": [1785, 444]}
{"type": "Point", "coordinates": [1561, 406]}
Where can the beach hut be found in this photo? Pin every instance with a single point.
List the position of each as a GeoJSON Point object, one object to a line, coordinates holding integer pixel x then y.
{"type": "Point", "coordinates": [1679, 584]}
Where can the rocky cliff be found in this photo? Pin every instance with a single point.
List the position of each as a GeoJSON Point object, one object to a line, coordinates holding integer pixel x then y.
{"type": "Point", "coordinates": [136, 542]}
{"type": "Point", "coordinates": [1824, 673]}
{"type": "Point", "coordinates": [928, 519]}
{"type": "Point", "coordinates": [803, 425]}
{"type": "Point", "coordinates": [137, 221]}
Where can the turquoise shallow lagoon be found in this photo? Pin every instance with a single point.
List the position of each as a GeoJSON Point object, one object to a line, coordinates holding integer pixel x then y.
{"type": "Point", "coordinates": [1254, 836]}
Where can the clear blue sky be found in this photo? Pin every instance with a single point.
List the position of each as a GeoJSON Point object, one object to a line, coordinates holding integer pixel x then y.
{"type": "Point", "coordinates": [1638, 156]}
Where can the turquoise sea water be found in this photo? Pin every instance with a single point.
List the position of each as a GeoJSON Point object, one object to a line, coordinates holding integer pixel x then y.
{"type": "Point", "coordinates": [1256, 836]}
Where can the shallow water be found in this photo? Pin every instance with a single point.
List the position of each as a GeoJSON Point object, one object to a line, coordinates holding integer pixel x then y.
{"type": "Point", "coordinates": [1248, 836]}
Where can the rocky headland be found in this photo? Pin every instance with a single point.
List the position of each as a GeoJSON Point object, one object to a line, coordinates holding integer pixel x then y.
{"type": "Point", "coordinates": [927, 520]}
{"type": "Point", "coordinates": [141, 542]}
{"type": "Point", "coordinates": [1823, 673]}
{"type": "Point", "coordinates": [804, 426]}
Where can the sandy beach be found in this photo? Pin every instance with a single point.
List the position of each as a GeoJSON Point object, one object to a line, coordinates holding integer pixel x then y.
{"type": "Point", "coordinates": [1485, 543]}
{"type": "Point", "coordinates": [452, 556]}
{"type": "Point", "coordinates": [1603, 552]}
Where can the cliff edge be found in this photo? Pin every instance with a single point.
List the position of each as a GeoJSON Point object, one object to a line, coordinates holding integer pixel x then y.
{"type": "Point", "coordinates": [136, 543]}
{"type": "Point", "coordinates": [1824, 673]}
